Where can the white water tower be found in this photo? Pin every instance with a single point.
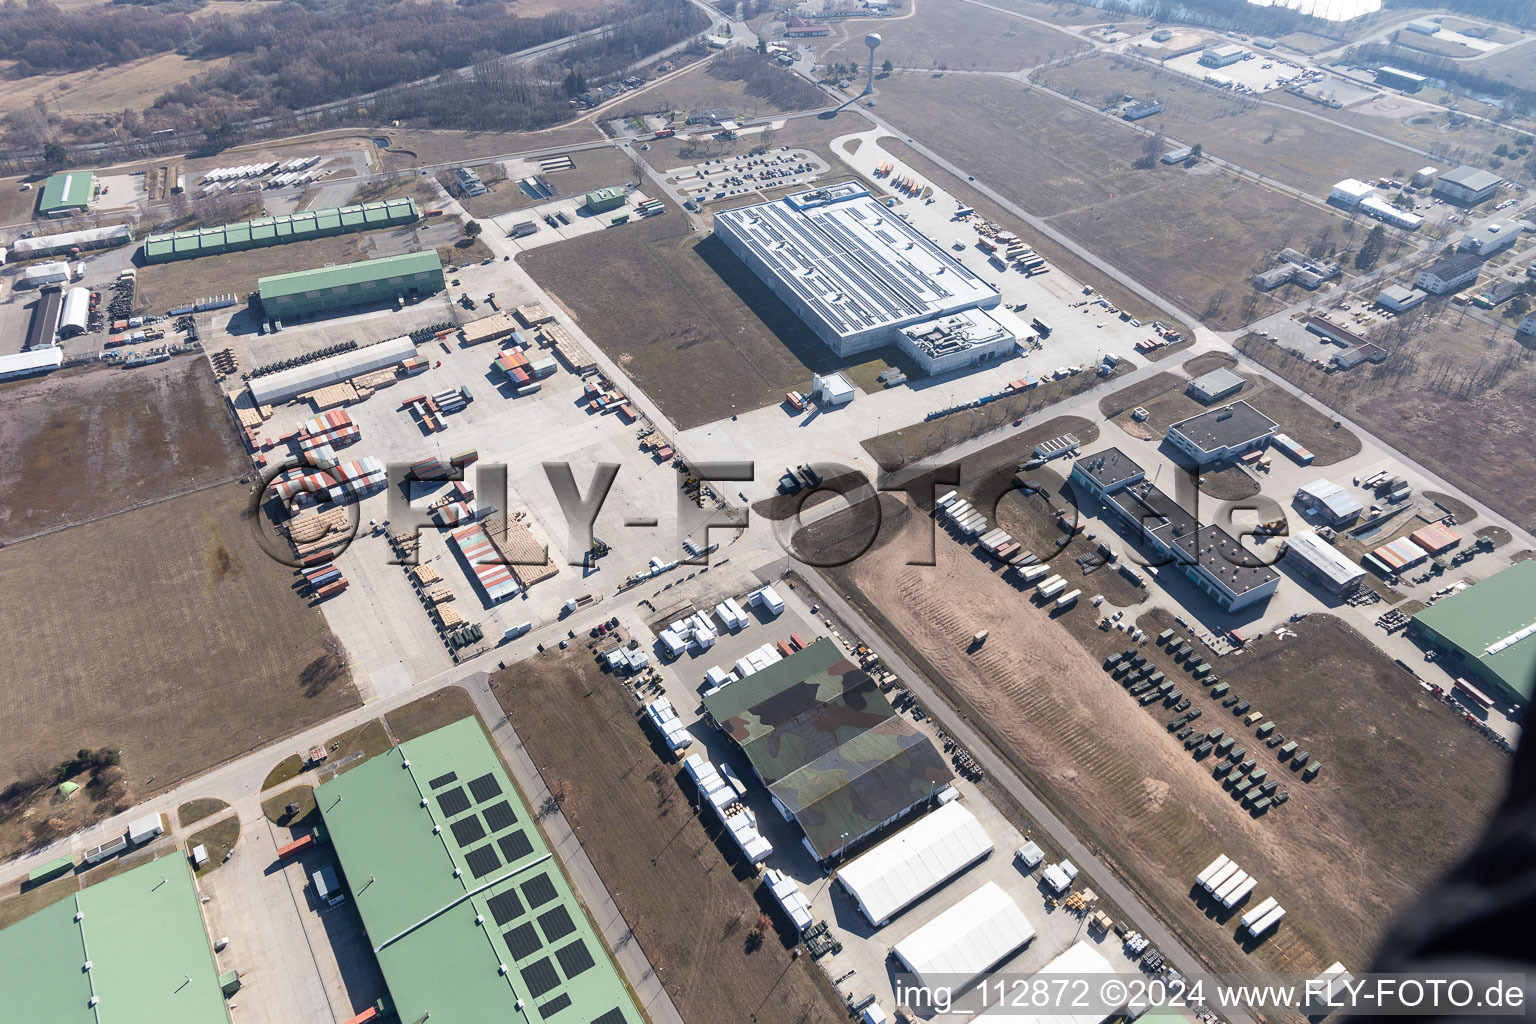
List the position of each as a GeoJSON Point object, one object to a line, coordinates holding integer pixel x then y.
{"type": "Point", "coordinates": [872, 40]}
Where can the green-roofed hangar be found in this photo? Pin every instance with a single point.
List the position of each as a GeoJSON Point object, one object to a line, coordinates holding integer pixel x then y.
{"type": "Point", "coordinates": [412, 275]}
{"type": "Point", "coordinates": [291, 227]}
{"type": "Point", "coordinates": [66, 194]}
{"type": "Point", "coordinates": [469, 915]}
{"type": "Point", "coordinates": [1490, 630]}
{"type": "Point", "coordinates": [129, 950]}
{"type": "Point", "coordinates": [833, 753]}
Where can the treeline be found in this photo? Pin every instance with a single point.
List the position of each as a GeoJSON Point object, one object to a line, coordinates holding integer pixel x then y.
{"type": "Point", "coordinates": [42, 38]}
{"type": "Point", "coordinates": [1519, 13]}
{"type": "Point", "coordinates": [766, 80]}
{"type": "Point", "coordinates": [1462, 74]}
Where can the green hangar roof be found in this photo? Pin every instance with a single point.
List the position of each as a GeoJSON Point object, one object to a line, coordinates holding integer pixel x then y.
{"type": "Point", "coordinates": [829, 746]}
{"type": "Point", "coordinates": [66, 193]}
{"type": "Point", "coordinates": [292, 227]}
{"type": "Point", "coordinates": [1491, 626]}
{"type": "Point", "coordinates": [343, 275]}
{"type": "Point", "coordinates": [467, 911]}
{"type": "Point", "coordinates": [143, 936]}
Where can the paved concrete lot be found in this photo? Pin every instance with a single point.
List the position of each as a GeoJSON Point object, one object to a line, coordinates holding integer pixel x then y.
{"type": "Point", "coordinates": [296, 961]}
{"type": "Point", "coordinates": [863, 966]}
{"type": "Point", "coordinates": [1261, 73]}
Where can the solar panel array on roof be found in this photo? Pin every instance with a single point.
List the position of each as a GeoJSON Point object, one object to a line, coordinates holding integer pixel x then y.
{"type": "Point", "coordinates": [453, 802]}
{"type": "Point", "coordinates": [849, 265]}
{"type": "Point", "coordinates": [500, 816]}
{"type": "Point", "coordinates": [556, 924]}
{"type": "Point", "coordinates": [540, 976]}
{"type": "Point", "coordinates": [514, 846]}
{"type": "Point", "coordinates": [555, 1005]}
{"type": "Point", "coordinates": [505, 906]}
{"type": "Point", "coordinates": [523, 941]}
{"type": "Point", "coordinates": [574, 958]}
{"type": "Point", "coordinates": [443, 780]}
{"type": "Point", "coordinates": [485, 787]}
{"type": "Point", "coordinates": [482, 860]}
{"type": "Point", "coordinates": [467, 830]}
{"type": "Point", "coordinates": [538, 891]}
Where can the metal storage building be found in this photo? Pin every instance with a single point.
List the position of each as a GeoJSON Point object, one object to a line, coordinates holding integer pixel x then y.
{"type": "Point", "coordinates": [1470, 185]}
{"type": "Point", "coordinates": [285, 385]}
{"type": "Point", "coordinates": [1335, 503]}
{"type": "Point", "coordinates": [1489, 629]}
{"type": "Point", "coordinates": [52, 245]}
{"type": "Point", "coordinates": [33, 361]}
{"type": "Point", "coordinates": [1397, 78]}
{"type": "Point", "coordinates": [134, 944]}
{"type": "Point", "coordinates": [914, 862]}
{"type": "Point", "coordinates": [468, 915]}
{"type": "Point", "coordinates": [1214, 386]}
{"type": "Point", "coordinates": [76, 312]}
{"type": "Point", "coordinates": [1319, 561]}
{"type": "Point", "coordinates": [413, 274]}
{"type": "Point", "coordinates": [1222, 433]}
{"type": "Point", "coordinates": [966, 941]}
{"type": "Point", "coordinates": [833, 753]}
{"type": "Point", "coordinates": [604, 199]}
{"type": "Point", "coordinates": [66, 193]}
{"type": "Point", "coordinates": [291, 227]}
{"type": "Point", "coordinates": [45, 319]}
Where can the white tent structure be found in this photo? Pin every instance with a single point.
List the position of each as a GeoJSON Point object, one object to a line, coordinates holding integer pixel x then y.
{"type": "Point", "coordinates": [285, 385]}
{"type": "Point", "coordinates": [967, 940]}
{"type": "Point", "coordinates": [914, 862]}
{"type": "Point", "coordinates": [1078, 962]}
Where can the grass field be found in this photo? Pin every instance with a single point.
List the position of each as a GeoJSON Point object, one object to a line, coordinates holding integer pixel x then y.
{"type": "Point", "coordinates": [1064, 12]}
{"type": "Point", "coordinates": [689, 907]}
{"type": "Point", "coordinates": [951, 33]}
{"type": "Point", "coordinates": [812, 133]}
{"type": "Point", "coordinates": [1515, 65]}
{"type": "Point", "coordinates": [1196, 236]}
{"type": "Point", "coordinates": [178, 683]}
{"type": "Point", "coordinates": [692, 89]}
{"type": "Point", "coordinates": [437, 709]}
{"type": "Point", "coordinates": [421, 146]}
{"type": "Point", "coordinates": [1202, 242]}
{"type": "Point", "coordinates": [1303, 152]}
{"type": "Point", "coordinates": [217, 839]}
{"type": "Point", "coordinates": [684, 317]}
{"type": "Point", "coordinates": [1060, 256]}
{"type": "Point", "coordinates": [86, 443]}
{"type": "Point", "coordinates": [197, 810]}
{"type": "Point", "coordinates": [1449, 380]}
{"type": "Point", "coordinates": [1352, 848]}
{"type": "Point", "coordinates": [108, 90]}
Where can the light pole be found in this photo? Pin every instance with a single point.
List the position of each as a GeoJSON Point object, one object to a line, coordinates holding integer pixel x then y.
{"type": "Point", "coordinates": [872, 40]}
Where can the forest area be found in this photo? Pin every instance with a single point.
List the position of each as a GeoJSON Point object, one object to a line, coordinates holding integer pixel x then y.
{"type": "Point", "coordinates": [286, 57]}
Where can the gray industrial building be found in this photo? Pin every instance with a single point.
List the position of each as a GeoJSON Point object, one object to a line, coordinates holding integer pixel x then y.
{"type": "Point", "coordinates": [1468, 185]}
{"type": "Point", "coordinates": [1450, 273]}
{"type": "Point", "coordinates": [1318, 561]}
{"type": "Point", "coordinates": [1335, 506]}
{"type": "Point", "coordinates": [1211, 558]}
{"type": "Point", "coordinates": [1223, 433]}
{"type": "Point", "coordinates": [956, 341]}
{"type": "Point", "coordinates": [1490, 237]}
{"type": "Point", "coordinates": [857, 274]}
{"type": "Point", "coordinates": [286, 385]}
{"type": "Point", "coordinates": [1214, 386]}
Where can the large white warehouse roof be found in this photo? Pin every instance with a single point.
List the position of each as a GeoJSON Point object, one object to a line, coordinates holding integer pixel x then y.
{"type": "Point", "coordinates": [915, 861]}
{"type": "Point", "coordinates": [967, 940]}
{"type": "Point", "coordinates": [280, 387]}
{"type": "Point", "coordinates": [1078, 961]}
{"type": "Point", "coordinates": [848, 264]}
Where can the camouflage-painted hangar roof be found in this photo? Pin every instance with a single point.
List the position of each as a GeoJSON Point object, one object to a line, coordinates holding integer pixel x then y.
{"type": "Point", "coordinates": [828, 745]}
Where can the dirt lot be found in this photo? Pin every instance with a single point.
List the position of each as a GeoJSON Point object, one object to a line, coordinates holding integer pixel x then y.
{"type": "Point", "coordinates": [1357, 842]}
{"type": "Point", "coordinates": [596, 168]}
{"type": "Point", "coordinates": [1436, 386]}
{"type": "Point", "coordinates": [136, 632]}
{"type": "Point", "coordinates": [88, 442]}
{"type": "Point", "coordinates": [685, 318]}
{"type": "Point", "coordinates": [443, 707]}
{"type": "Point", "coordinates": [1197, 236]}
{"type": "Point", "coordinates": [690, 908]}
{"type": "Point", "coordinates": [1301, 151]}
{"type": "Point", "coordinates": [692, 89]}
{"type": "Point", "coordinates": [811, 133]}
{"type": "Point", "coordinates": [952, 34]}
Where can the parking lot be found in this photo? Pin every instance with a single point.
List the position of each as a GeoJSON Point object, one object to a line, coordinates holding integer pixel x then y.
{"type": "Point", "coordinates": [725, 177]}
{"type": "Point", "coordinates": [1260, 72]}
